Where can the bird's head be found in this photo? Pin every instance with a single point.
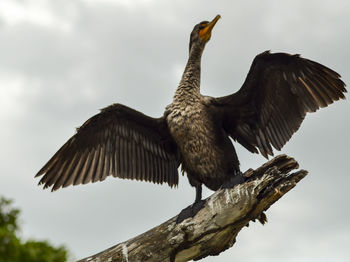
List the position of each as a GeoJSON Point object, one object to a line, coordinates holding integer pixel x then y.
{"type": "Point", "coordinates": [201, 33]}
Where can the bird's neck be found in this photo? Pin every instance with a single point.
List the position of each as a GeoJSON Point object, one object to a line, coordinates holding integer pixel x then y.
{"type": "Point", "coordinates": [190, 81]}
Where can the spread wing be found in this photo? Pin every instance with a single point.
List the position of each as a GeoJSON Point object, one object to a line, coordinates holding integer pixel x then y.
{"type": "Point", "coordinates": [118, 141]}
{"type": "Point", "coordinates": [278, 92]}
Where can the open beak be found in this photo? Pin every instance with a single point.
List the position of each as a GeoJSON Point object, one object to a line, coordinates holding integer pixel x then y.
{"type": "Point", "coordinates": [205, 33]}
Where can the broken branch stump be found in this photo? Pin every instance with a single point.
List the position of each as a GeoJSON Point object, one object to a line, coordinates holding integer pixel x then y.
{"type": "Point", "coordinates": [215, 227]}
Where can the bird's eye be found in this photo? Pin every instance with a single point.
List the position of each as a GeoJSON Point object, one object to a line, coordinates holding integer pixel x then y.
{"type": "Point", "coordinates": [204, 24]}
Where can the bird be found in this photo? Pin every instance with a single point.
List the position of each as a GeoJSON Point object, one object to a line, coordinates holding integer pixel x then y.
{"type": "Point", "coordinates": [197, 132]}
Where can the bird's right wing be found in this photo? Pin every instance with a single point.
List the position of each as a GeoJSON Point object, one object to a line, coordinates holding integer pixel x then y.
{"type": "Point", "coordinates": [118, 141]}
{"type": "Point", "coordinates": [278, 92]}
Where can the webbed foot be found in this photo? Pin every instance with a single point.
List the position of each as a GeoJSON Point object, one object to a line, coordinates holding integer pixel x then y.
{"type": "Point", "coordinates": [238, 178]}
{"type": "Point", "coordinates": [190, 211]}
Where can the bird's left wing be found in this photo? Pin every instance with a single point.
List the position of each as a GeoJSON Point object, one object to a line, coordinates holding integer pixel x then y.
{"type": "Point", "coordinates": [118, 141]}
{"type": "Point", "coordinates": [278, 92]}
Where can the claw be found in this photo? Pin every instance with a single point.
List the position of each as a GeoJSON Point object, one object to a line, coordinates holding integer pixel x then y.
{"type": "Point", "coordinates": [190, 211]}
{"type": "Point", "coordinates": [238, 178]}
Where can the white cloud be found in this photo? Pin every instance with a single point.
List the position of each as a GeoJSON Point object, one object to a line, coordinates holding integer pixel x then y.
{"type": "Point", "coordinates": [33, 12]}
{"type": "Point", "coordinates": [124, 3]}
{"type": "Point", "coordinates": [14, 89]}
{"type": "Point", "coordinates": [11, 89]}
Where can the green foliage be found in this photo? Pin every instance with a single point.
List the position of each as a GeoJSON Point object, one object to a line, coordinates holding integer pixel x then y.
{"type": "Point", "coordinates": [13, 249]}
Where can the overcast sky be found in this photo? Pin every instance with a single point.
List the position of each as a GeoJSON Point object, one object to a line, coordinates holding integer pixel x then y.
{"type": "Point", "coordinates": [61, 61]}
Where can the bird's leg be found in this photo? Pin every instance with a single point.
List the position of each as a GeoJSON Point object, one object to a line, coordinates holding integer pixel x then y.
{"type": "Point", "coordinates": [198, 193]}
{"type": "Point", "coordinates": [193, 209]}
{"type": "Point", "coordinates": [236, 179]}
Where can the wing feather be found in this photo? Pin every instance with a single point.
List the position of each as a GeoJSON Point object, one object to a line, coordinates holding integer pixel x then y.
{"type": "Point", "coordinates": [278, 92]}
{"type": "Point", "coordinates": [118, 141]}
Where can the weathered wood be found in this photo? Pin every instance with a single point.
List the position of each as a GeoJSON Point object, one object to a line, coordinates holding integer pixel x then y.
{"type": "Point", "coordinates": [215, 227]}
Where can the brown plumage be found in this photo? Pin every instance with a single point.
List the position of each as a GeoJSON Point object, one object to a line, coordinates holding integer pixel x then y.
{"type": "Point", "coordinates": [119, 141]}
{"type": "Point", "coordinates": [195, 130]}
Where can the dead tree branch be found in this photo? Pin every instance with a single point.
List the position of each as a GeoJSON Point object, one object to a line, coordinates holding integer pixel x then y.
{"type": "Point", "coordinates": [215, 227]}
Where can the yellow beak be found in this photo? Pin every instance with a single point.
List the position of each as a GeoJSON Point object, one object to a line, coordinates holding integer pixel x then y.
{"type": "Point", "coordinates": [205, 33]}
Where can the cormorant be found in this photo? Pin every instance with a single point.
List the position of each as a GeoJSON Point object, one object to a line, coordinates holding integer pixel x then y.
{"type": "Point", "coordinates": [195, 130]}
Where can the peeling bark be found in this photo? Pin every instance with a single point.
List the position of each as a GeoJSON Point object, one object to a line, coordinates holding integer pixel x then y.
{"type": "Point", "coordinates": [215, 227]}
